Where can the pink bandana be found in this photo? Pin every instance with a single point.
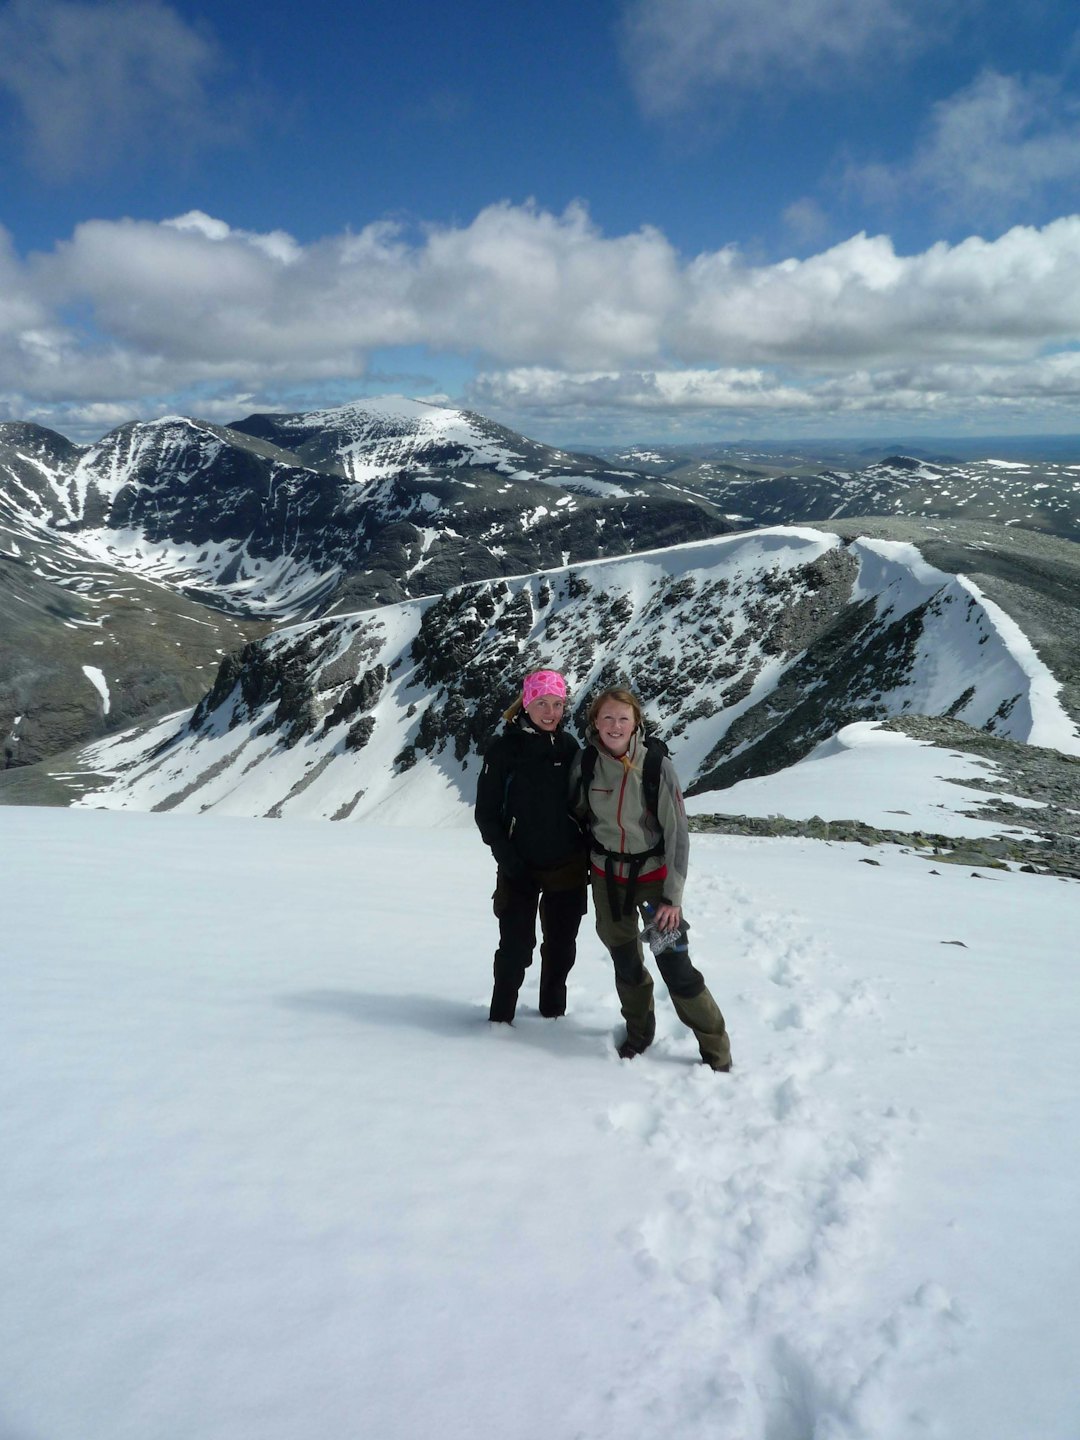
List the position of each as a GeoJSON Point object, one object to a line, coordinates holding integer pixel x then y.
{"type": "Point", "coordinates": [540, 683]}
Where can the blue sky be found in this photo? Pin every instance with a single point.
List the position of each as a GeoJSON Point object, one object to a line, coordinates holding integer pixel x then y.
{"type": "Point", "coordinates": [633, 219]}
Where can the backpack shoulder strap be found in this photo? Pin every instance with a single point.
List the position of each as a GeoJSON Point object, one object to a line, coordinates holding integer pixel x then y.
{"type": "Point", "coordinates": [588, 769]}
{"type": "Point", "coordinates": [655, 751]}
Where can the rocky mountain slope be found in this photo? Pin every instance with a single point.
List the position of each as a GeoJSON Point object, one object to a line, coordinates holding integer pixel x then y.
{"type": "Point", "coordinates": [86, 648]}
{"type": "Point", "coordinates": [1034, 578]}
{"type": "Point", "coordinates": [127, 568]}
{"type": "Point", "coordinates": [748, 651]}
{"type": "Point", "coordinates": [289, 516]}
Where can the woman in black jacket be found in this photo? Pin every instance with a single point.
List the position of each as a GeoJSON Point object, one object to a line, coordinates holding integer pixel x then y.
{"type": "Point", "coordinates": [522, 810]}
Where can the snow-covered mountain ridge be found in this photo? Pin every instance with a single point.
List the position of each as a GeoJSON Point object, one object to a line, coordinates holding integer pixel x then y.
{"type": "Point", "coordinates": [287, 516]}
{"type": "Point", "coordinates": [219, 531]}
{"type": "Point", "coordinates": [748, 651]}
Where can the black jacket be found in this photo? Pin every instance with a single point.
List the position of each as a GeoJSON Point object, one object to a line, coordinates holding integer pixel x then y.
{"type": "Point", "coordinates": [523, 798]}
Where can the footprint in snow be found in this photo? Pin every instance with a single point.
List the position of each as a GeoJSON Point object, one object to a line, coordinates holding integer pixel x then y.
{"type": "Point", "coordinates": [775, 1211]}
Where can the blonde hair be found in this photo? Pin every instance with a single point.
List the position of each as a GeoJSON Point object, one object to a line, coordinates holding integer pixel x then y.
{"type": "Point", "coordinates": [621, 697]}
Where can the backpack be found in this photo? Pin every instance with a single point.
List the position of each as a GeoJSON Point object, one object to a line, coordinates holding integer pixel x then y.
{"type": "Point", "coordinates": [655, 751]}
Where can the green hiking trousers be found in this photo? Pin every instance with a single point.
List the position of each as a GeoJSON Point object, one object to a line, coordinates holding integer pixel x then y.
{"type": "Point", "coordinates": [694, 1005]}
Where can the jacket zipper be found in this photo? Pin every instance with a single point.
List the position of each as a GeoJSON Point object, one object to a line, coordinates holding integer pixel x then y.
{"type": "Point", "coordinates": [618, 810]}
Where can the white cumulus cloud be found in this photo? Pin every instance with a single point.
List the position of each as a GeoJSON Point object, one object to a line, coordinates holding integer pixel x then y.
{"type": "Point", "coordinates": [1044, 391]}
{"type": "Point", "coordinates": [104, 82]}
{"type": "Point", "coordinates": [1001, 143]}
{"type": "Point", "coordinates": [554, 313]}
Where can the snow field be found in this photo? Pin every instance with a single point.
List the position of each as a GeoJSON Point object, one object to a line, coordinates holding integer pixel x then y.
{"type": "Point", "coordinates": [272, 1174]}
{"type": "Point", "coordinates": [777, 1196]}
{"type": "Point", "coordinates": [883, 777]}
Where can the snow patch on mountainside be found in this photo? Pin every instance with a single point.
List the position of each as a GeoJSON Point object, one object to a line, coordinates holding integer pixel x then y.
{"type": "Point", "coordinates": [882, 777]}
{"type": "Point", "coordinates": [226, 572]}
{"type": "Point", "coordinates": [100, 684]}
{"type": "Point", "coordinates": [1050, 725]}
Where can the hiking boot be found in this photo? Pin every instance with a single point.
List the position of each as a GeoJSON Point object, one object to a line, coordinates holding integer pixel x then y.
{"type": "Point", "coordinates": [632, 1045]}
{"type": "Point", "coordinates": [552, 1002]}
{"type": "Point", "coordinates": [503, 1003]}
{"type": "Point", "coordinates": [702, 1014]}
{"type": "Point", "coordinates": [721, 1069]}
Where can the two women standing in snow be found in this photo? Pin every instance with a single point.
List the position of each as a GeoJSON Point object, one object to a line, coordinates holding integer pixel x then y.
{"type": "Point", "coordinates": [640, 845]}
{"type": "Point", "coordinates": [534, 789]}
{"type": "Point", "coordinates": [523, 812]}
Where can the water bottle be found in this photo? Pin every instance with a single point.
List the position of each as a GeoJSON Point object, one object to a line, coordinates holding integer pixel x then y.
{"type": "Point", "coordinates": [659, 940]}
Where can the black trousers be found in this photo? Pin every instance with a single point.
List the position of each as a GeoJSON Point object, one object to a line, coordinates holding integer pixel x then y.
{"type": "Point", "coordinates": [516, 904]}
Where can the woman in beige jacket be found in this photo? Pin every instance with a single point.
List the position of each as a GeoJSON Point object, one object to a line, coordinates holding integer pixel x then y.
{"type": "Point", "coordinates": [640, 845]}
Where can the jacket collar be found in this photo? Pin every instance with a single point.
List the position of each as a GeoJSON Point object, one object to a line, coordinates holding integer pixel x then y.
{"type": "Point", "coordinates": [523, 724]}
{"type": "Point", "coordinates": [625, 759]}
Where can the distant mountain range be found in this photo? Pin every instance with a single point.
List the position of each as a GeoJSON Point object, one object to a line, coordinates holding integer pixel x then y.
{"type": "Point", "coordinates": [187, 538]}
{"type": "Point", "coordinates": [132, 568]}
{"type": "Point", "coordinates": [284, 516]}
{"type": "Point", "coordinates": [753, 488]}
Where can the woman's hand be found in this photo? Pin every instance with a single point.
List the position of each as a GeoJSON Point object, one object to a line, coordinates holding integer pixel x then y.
{"type": "Point", "coordinates": [667, 917]}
